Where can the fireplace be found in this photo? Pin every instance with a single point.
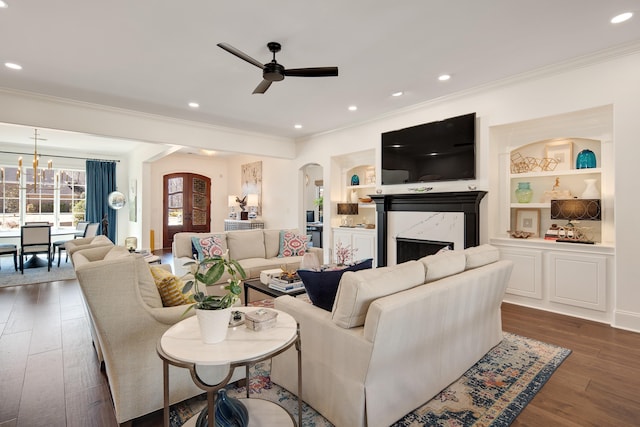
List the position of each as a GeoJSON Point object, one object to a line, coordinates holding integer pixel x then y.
{"type": "Point", "coordinates": [411, 249]}
{"type": "Point", "coordinates": [457, 210]}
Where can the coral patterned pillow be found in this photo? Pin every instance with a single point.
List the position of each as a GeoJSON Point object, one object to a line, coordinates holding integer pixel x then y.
{"type": "Point", "coordinates": [208, 247]}
{"type": "Point", "coordinates": [292, 244]}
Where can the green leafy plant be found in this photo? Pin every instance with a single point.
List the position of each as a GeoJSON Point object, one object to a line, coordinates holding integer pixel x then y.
{"type": "Point", "coordinates": [209, 271]}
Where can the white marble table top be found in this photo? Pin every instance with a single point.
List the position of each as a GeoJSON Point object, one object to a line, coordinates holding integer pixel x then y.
{"type": "Point", "coordinates": [182, 341]}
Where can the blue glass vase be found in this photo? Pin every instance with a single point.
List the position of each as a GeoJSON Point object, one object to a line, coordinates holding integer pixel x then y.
{"type": "Point", "coordinates": [586, 160]}
{"type": "Point", "coordinates": [355, 180]}
{"type": "Point", "coordinates": [229, 412]}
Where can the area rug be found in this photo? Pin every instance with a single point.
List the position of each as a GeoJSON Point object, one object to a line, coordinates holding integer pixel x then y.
{"type": "Point", "coordinates": [9, 277]}
{"type": "Point", "coordinates": [492, 393]}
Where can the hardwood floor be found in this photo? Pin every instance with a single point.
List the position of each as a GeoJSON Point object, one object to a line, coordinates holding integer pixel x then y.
{"type": "Point", "coordinates": [49, 374]}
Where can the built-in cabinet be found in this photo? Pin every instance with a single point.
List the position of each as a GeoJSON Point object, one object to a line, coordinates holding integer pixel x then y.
{"type": "Point", "coordinates": [570, 278]}
{"type": "Point", "coordinates": [353, 180]}
{"type": "Point", "coordinates": [361, 241]}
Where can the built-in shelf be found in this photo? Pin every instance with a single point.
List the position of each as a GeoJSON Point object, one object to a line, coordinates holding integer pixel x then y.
{"type": "Point", "coordinates": [358, 187]}
{"type": "Point", "coordinates": [570, 172]}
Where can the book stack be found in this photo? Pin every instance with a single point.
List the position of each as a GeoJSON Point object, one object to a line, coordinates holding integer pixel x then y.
{"type": "Point", "coordinates": [285, 283]}
{"type": "Point", "coordinates": [558, 233]}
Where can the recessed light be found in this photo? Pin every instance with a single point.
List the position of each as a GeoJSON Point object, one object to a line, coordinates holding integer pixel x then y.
{"type": "Point", "coordinates": [13, 66]}
{"type": "Point", "coordinates": [399, 93]}
{"type": "Point", "coordinates": [444, 77]}
{"type": "Point", "coordinates": [3, 5]}
{"type": "Point", "coordinates": [297, 126]}
{"type": "Point", "coordinates": [352, 108]}
{"type": "Point", "coordinates": [621, 18]}
{"type": "Point", "coordinates": [194, 105]}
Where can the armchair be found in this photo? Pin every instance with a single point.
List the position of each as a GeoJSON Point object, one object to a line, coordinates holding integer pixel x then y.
{"type": "Point", "coordinates": [128, 319]}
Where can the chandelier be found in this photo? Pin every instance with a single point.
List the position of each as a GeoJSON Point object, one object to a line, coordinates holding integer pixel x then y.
{"type": "Point", "coordinates": [38, 174]}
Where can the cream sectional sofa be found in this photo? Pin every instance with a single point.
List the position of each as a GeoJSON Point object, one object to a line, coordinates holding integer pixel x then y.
{"type": "Point", "coordinates": [255, 250]}
{"type": "Point", "coordinates": [396, 335]}
{"type": "Point", "coordinates": [127, 320]}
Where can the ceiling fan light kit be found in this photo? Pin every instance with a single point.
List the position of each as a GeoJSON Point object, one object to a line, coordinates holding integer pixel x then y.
{"type": "Point", "coordinates": [275, 72]}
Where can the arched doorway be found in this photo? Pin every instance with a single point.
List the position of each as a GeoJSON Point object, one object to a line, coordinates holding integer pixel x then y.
{"type": "Point", "coordinates": [186, 205]}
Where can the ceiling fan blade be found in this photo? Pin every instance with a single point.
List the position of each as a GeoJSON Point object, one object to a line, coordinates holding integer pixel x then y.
{"type": "Point", "coordinates": [262, 87]}
{"type": "Point", "coordinates": [312, 72]}
{"type": "Point", "coordinates": [232, 50]}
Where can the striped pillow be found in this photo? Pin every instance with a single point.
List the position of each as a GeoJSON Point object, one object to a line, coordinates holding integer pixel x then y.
{"type": "Point", "coordinates": [170, 287]}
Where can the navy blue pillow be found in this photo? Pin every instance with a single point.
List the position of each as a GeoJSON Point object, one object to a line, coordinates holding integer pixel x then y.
{"type": "Point", "coordinates": [322, 286]}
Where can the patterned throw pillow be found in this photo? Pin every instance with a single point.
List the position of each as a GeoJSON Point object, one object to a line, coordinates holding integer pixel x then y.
{"type": "Point", "coordinates": [169, 286]}
{"type": "Point", "coordinates": [292, 244]}
{"type": "Point", "coordinates": [208, 247]}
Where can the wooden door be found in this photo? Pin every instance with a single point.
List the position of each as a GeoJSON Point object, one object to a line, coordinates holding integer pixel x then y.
{"type": "Point", "coordinates": [186, 205]}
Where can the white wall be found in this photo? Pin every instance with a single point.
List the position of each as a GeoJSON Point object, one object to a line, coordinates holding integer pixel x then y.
{"type": "Point", "coordinates": [614, 82]}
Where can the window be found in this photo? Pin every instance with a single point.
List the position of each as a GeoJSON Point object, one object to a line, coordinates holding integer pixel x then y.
{"type": "Point", "coordinates": [57, 196]}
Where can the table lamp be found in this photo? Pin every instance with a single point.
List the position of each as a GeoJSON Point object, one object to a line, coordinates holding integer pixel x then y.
{"type": "Point", "coordinates": [252, 204]}
{"type": "Point", "coordinates": [231, 203]}
{"type": "Point", "coordinates": [345, 209]}
{"type": "Point", "coordinates": [574, 210]}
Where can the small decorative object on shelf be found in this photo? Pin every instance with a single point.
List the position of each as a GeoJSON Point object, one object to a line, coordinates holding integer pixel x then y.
{"type": "Point", "coordinates": [355, 180]}
{"type": "Point", "coordinates": [518, 234]}
{"type": "Point", "coordinates": [420, 189]}
{"type": "Point", "coordinates": [591, 191]}
{"type": "Point", "coordinates": [586, 159]}
{"type": "Point", "coordinates": [521, 164]}
{"type": "Point", "coordinates": [524, 193]}
{"type": "Point", "coordinates": [556, 193]}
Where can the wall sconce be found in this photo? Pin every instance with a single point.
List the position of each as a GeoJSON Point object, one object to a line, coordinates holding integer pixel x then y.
{"type": "Point", "coordinates": [252, 202]}
{"type": "Point", "coordinates": [346, 209]}
{"type": "Point", "coordinates": [574, 210]}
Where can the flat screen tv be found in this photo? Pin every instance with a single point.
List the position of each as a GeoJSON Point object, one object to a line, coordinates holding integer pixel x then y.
{"type": "Point", "coordinates": [430, 152]}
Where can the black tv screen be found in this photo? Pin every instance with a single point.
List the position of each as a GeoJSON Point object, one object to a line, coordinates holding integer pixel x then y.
{"type": "Point", "coordinates": [430, 152]}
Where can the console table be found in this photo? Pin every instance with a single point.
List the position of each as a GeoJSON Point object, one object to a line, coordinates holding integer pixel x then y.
{"type": "Point", "coordinates": [240, 224]}
{"type": "Point", "coordinates": [182, 346]}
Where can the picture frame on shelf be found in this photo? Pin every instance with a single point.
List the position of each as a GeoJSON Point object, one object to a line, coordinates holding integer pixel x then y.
{"type": "Point", "coordinates": [561, 152]}
{"type": "Point", "coordinates": [528, 220]}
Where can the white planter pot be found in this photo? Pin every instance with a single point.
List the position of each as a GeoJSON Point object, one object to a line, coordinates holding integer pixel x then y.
{"type": "Point", "coordinates": [214, 324]}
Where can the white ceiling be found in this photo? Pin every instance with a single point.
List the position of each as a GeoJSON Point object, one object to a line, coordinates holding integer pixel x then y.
{"type": "Point", "coordinates": [156, 56]}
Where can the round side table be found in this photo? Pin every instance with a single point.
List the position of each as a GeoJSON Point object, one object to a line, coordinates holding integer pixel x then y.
{"type": "Point", "coordinates": [181, 346]}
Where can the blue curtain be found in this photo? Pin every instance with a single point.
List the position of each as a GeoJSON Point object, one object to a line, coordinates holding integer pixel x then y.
{"type": "Point", "coordinates": [101, 180]}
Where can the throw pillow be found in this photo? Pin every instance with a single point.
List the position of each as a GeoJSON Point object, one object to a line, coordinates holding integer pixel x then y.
{"type": "Point", "coordinates": [169, 286]}
{"type": "Point", "coordinates": [292, 244]}
{"type": "Point", "coordinates": [208, 247]}
{"type": "Point", "coordinates": [322, 286]}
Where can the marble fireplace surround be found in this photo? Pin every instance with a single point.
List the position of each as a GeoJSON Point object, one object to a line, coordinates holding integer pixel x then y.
{"type": "Point", "coordinates": [424, 216]}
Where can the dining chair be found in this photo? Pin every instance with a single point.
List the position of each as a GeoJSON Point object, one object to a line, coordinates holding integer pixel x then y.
{"type": "Point", "coordinates": [34, 240]}
{"type": "Point", "coordinates": [9, 249]}
{"type": "Point", "coordinates": [80, 227]}
{"type": "Point", "coordinates": [89, 229]}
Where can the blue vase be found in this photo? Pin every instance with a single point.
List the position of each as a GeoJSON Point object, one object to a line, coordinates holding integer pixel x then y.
{"type": "Point", "coordinates": [586, 160]}
{"type": "Point", "coordinates": [229, 411]}
{"type": "Point", "coordinates": [355, 180]}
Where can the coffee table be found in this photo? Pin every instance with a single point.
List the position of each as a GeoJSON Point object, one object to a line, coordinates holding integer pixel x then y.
{"type": "Point", "coordinates": [257, 285]}
{"type": "Point", "coordinates": [181, 346]}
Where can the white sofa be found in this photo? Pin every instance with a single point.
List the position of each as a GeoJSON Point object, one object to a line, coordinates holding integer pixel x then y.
{"type": "Point", "coordinates": [396, 335]}
{"type": "Point", "coordinates": [128, 319]}
{"type": "Point", "coordinates": [255, 250]}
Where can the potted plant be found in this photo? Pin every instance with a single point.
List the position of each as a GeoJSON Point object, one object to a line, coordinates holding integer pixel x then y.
{"type": "Point", "coordinates": [213, 311]}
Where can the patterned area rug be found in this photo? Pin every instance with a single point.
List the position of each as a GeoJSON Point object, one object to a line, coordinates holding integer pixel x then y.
{"type": "Point", "coordinates": [9, 277]}
{"type": "Point", "coordinates": [492, 393]}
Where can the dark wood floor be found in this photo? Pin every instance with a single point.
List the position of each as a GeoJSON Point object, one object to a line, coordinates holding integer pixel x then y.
{"type": "Point", "coordinates": [49, 374]}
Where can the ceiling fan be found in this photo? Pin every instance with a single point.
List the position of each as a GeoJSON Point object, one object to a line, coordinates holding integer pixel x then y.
{"type": "Point", "coordinates": [274, 72]}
